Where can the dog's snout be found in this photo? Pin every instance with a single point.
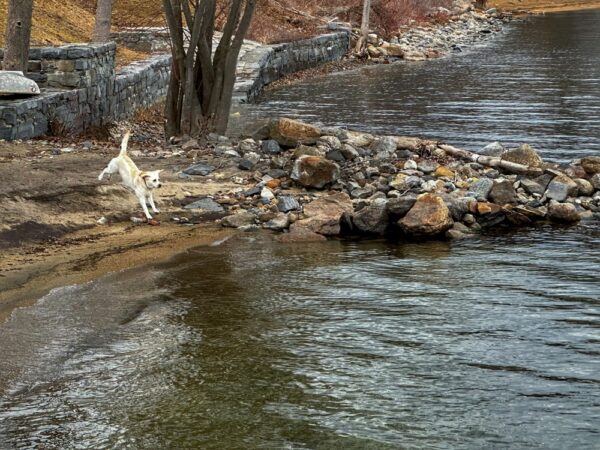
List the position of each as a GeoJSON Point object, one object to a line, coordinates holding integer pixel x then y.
{"type": "Point", "coordinates": [159, 185]}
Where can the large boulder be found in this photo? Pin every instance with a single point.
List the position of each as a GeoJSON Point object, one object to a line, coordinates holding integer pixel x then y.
{"type": "Point", "coordinates": [323, 215]}
{"type": "Point", "coordinates": [372, 219]}
{"type": "Point", "coordinates": [563, 212]}
{"type": "Point", "coordinates": [525, 155]}
{"type": "Point", "coordinates": [239, 220]}
{"type": "Point", "coordinates": [393, 49]}
{"type": "Point", "coordinates": [560, 188]}
{"type": "Point", "coordinates": [15, 83]}
{"type": "Point", "coordinates": [315, 171]}
{"type": "Point", "coordinates": [429, 216]}
{"type": "Point", "coordinates": [398, 207]}
{"type": "Point", "coordinates": [291, 133]}
{"type": "Point", "coordinates": [591, 164]}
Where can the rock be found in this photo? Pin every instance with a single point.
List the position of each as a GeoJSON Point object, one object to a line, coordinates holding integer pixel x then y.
{"type": "Point", "coordinates": [266, 195]}
{"type": "Point", "coordinates": [398, 207]}
{"type": "Point", "coordinates": [364, 192]}
{"type": "Point", "coordinates": [291, 133]}
{"type": "Point", "coordinates": [338, 132]}
{"type": "Point", "coordinates": [443, 171]}
{"type": "Point", "coordinates": [482, 188]}
{"type": "Point", "coordinates": [394, 50]}
{"type": "Point", "coordinates": [372, 219]}
{"type": "Point", "coordinates": [525, 155]}
{"type": "Point", "coordinates": [349, 152]}
{"type": "Point", "coordinates": [201, 169]}
{"type": "Point", "coordinates": [300, 234]}
{"type": "Point", "coordinates": [408, 143]}
{"type": "Point", "coordinates": [323, 215]}
{"type": "Point", "coordinates": [410, 164]}
{"type": "Point", "coordinates": [503, 192]}
{"type": "Point", "coordinates": [305, 150]}
{"type": "Point", "coordinates": [315, 171]}
{"type": "Point", "coordinates": [427, 165]}
{"type": "Point", "coordinates": [330, 141]}
{"type": "Point", "coordinates": [277, 173]}
{"type": "Point", "coordinates": [207, 204]}
{"type": "Point", "coordinates": [595, 181]}
{"type": "Point", "coordinates": [278, 223]}
{"type": "Point", "coordinates": [562, 212]}
{"type": "Point", "coordinates": [287, 203]}
{"type": "Point", "coordinates": [102, 221]}
{"type": "Point", "coordinates": [530, 212]}
{"type": "Point", "coordinates": [414, 56]}
{"type": "Point", "coordinates": [241, 219]}
{"type": "Point", "coordinates": [591, 164]}
{"type": "Point", "coordinates": [384, 147]}
{"type": "Point", "coordinates": [271, 147]}
{"type": "Point", "coordinates": [429, 186]}
{"type": "Point", "coordinates": [14, 82]}
{"type": "Point", "coordinates": [532, 187]}
{"type": "Point", "coordinates": [493, 149]}
{"type": "Point", "coordinates": [560, 188]}
{"type": "Point", "coordinates": [403, 182]}
{"type": "Point", "coordinates": [190, 144]}
{"type": "Point", "coordinates": [584, 187]}
{"type": "Point", "coordinates": [428, 216]}
{"type": "Point", "coordinates": [246, 164]}
{"type": "Point", "coordinates": [247, 145]}
{"type": "Point", "coordinates": [335, 155]}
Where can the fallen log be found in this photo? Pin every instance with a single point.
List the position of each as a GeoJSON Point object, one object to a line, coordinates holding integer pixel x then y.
{"type": "Point", "coordinates": [491, 161]}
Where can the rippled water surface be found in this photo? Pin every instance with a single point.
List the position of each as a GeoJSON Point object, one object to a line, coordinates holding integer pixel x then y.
{"type": "Point", "coordinates": [487, 343]}
{"type": "Point", "coordinates": [538, 82]}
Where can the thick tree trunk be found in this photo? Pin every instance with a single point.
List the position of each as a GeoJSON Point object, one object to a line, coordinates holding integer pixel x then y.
{"type": "Point", "coordinates": [103, 21]}
{"type": "Point", "coordinates": [18, 34]}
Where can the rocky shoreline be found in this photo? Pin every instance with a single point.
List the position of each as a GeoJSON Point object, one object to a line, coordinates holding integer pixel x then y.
{"type": "Point", "coordinates": [452, 33]}
{"type": "Point", "coordinates": [309, 183]}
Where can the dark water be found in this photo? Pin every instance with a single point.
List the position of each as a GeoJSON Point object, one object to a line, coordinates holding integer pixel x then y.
{"type": "Point", "coordinates": [539, 82]}
{"type": "Point", "coordinates": [492, 343]}
{"type": "Point", "coordinates": [489, 343]}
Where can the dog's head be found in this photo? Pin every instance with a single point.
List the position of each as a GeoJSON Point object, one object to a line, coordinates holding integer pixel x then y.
{"type": "Point", "coordinates": [152, 179]}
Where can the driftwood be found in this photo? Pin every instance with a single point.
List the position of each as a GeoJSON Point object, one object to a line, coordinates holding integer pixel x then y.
{"type": "Point", "coordinates": [491, 161]}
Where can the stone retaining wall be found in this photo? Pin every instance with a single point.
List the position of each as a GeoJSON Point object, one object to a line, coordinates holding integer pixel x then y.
{"type": "Point", "coordinates": [80, 88]}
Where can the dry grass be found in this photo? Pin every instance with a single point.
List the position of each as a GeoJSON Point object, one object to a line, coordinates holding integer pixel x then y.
{"type": "Point", "coordinates": [64, 21]}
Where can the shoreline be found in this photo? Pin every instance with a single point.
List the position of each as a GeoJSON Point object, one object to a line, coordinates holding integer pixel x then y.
{"type": "Point", "coordinates": [541, 7]}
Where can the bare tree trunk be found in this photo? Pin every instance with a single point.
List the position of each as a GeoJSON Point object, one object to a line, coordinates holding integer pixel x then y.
{"type": "Point", "coordinates": [103, 21]}
{"type": "Point", "coordinates": [18, 35]}
{"type": "Point", "coordinates": [201, 86]}
{"type": "Point", "coordinates": [361, 45]}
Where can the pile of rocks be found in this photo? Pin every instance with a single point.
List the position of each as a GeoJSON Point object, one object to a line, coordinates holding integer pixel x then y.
{"type": "Point", "coordinates": [313, 182]}
{"type": "Point", "coordinates": [418, 43]}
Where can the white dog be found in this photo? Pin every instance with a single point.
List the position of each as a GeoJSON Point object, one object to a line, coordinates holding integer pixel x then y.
{"type": "Point", "coordinates": [141, 183]}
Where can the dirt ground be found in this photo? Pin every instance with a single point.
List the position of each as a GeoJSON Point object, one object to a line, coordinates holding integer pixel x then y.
{"type": "Point", "coordinates": [50, 205]}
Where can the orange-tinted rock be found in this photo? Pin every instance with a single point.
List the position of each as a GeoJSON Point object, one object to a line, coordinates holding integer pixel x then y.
{"type": "Point", "coordinates": [291, 133]}
{"type": "Point", "coordinates": [315, 171]}
{"type": "Point", "coordinates": [323, 215]}
{"type": "Point", "coordinates": [428, 216]}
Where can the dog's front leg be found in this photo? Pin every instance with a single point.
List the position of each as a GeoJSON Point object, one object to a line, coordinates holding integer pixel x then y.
{"type": "Point", "coordinates": [142, 199]}
{"type": "Point", "coordinates": [151, 201]}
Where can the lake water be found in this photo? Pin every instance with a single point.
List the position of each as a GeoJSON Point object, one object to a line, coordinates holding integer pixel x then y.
{"type": "Point", "coordinates": [250, 344]}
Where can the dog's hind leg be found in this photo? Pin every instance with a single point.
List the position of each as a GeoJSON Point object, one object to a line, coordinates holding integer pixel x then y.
{"type": "Point", "coordinates": [109, 170]}
{"type": "Point", "coordinates": [151, 201]}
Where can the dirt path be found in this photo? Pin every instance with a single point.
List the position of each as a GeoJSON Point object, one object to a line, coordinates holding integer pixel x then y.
{"type": "Point", "coordinates": [544, 5]}
{"type": "Point", "coordinates": [50, 205]}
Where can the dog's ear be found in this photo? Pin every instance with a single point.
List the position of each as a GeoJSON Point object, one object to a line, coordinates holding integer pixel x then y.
{"type": "Point", "coordinates": [159, 170]}
{"type": "Point", "coordinates": [144, 175]}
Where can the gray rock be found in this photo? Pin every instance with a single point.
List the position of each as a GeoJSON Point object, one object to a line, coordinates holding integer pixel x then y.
{"type": "Point", "coordinates": [560, 188]}
{"type": "Point", "coordinates": [493, 149]}
{"type": "Point", "coordinates": [277, 173]}
{"type": "Point", "coordinates": [339, 133]}
{"type": "Point", "coordinates": [525, 155]}
{"type": "Point", "coordinates": [271, 147]}
{"type": "Point", "coordinates": [398, 207]}
{"type": "Point", "coordinates": [349, 152]}
{"type": "Point", "coordinates": [532, 187]}
{"type": "Point", "coordinates": [13, 82]}
{"type": "Point", "coordinates": [287, 203]}
{"type": "Point", "coordinates": [410, 164]}
{"type": "Point", "coordinates": [364, 192]}
{"type": "Point", "coordinates": [248, 145]}
{"type": "Point", "coordinates": [595, 180]}
{"type": "Point", "coordinates": [427, 166]}
{"type": "Point", "coordinates": [482, 188]}
{"type": "Point", "coordinates": [201, 169]}
{"type": "Point", "coordinates": [384, 147]}
{"type": "Point", "coordinates": [330, 141]}
{"type": "Point", "coordinates": [246, 164]}
{"type": "Point", "coordinates": [278, 223]}
{"type": "Point", "coordinates": [372, 219]}
{"type": "Point", "coordinates": [335, 155]}
{"type": "Point", "coordinates": [503, 192]}
{"type": "Point", "coordinates": [207, 204]}
{"type": "Point", "coordinates": [244, 218]}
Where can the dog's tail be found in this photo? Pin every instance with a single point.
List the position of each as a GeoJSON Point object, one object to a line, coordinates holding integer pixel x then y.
{"type": "Point", "coordinates": [124, 143]}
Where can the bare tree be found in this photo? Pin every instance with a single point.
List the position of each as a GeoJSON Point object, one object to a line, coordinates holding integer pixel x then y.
{"type": "Point", "coordinates": [103, 20]}
{"type": "Point", "coordinates": [18, 35]}
{"type": "Point", "coordinates": [201, 84]}
{"type": "Point", "coordinates": [361, 44]}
